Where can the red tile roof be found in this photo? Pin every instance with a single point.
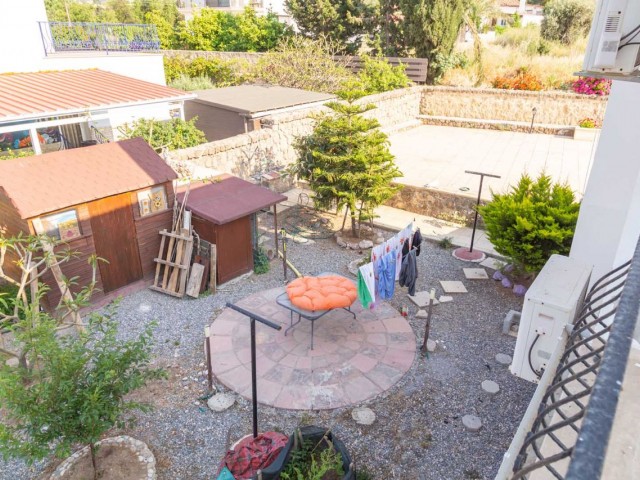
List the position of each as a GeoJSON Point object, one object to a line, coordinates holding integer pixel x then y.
{"type": "Point", "coordinates": [228, 198]}
{"type": "Point", "coordinates": [29, 95]}
{"type": "Point", "coordinates": [49, 182]}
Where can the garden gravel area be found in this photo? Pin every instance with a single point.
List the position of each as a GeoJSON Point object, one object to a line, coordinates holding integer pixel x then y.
{"type": "Point", "coordinates": [418, 432]}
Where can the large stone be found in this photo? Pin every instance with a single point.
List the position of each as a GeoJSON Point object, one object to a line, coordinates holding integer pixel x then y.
{"type": "Point", "coordinates": [490, 387]}
{"type": "Point", "coordinates": [363, 416]}
{"type": "Point", "coordinates": [221, 402]}
{"type": "Point", "coordinates": [421, 299]}
{"type": "Point", "coordinates": [475, 273]}
{"type": "Point", "coordinates": [492, 263]}
{"type": "Point", "coordinates": [504, 359]}
{"type": "Point", "coordinates": [12, 362]}
{"type": "Point", "coordinates": [341, 242]}
{"type": "Point", "coordinates": [445, 299]}
{"type": "Point", "coordinates": [365, 244]}
{"type": "Point", "coordinates": [453, 286]}
{"type": "Point", "coordinates": [472, 423]}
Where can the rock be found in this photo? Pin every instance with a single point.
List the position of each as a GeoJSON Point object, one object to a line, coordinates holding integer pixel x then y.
{"type": "Point", "coordinates": [379, 240]}
{"type": "Point", "coordinates": [445, 299]}
{"type": "Point", "coordinates": [12, 362]}
{"type": "Point", "coordinates": [221, 402]}
{"type": "Point", "coordinates": [431, 346]}
{"type": "Point", "coordinates": [506, 283]}
{"type": "Point", "coordinates": [341, 242]}
{"type": "Point", "coordinates": [503, 359]}
{"type": "Point", "coordinates": [512, 319]}
{"type": "Point", "coordinates": [365, 244]}
{"type": "Point", "coordinates": [490, 387]}
{"type": "Point", "coordinates": [497, 275]}
{"type": "Point", "coordinates": [472, 423]}
{"type": "Point", "coordinates": [363, 416]}
{"type": "Point", "coordinates": [519, 290]}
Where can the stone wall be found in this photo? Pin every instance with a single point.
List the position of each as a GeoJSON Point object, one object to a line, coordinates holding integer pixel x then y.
{"type": "Point", "coordinates": [554, 108]}
{"type": "Point", "coordinates": [254, 153]}
{"type": "Point", "coordinates": [437, 204]}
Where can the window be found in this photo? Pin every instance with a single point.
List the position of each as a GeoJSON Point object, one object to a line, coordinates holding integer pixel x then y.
{"type": "Point", "coordinates": [62, 226]}
{"type": "Point", "coordinates": [152, 200]}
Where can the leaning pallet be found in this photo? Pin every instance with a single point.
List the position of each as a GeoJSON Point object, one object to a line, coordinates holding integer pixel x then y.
{"type": "Point", "coordinates": [172, 267]}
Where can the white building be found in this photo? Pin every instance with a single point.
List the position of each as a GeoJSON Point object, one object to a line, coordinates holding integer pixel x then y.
{"type": "Point", "coordinates": [262, 7]}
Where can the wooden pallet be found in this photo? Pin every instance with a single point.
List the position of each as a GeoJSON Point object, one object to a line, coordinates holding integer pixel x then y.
{"type": "Point", "coordinates": [172, 264]}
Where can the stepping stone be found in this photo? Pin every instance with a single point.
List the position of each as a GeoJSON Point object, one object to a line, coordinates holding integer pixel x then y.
{"type": "Point", "coordinates": [493, 263]}
{"type": "Point", "coordinates": [431, 346]}
{"type": "Point", "coordinates": [363, 416]}
{"type": "Point", "coordinates": [221, 402]}
{"type": "Point", "coordinates": [510, 323]}
{"type": "Point", "coordinates": [504, 359]}
{"type": "Point", "coordinates": [472, 423]}
{"type": "Point", "coordinates": [453, 286]}
{"type": "Point", "coordinates": [421, 299]}
{"type": "Point", "coordinates": [445, 299]}
{"type": "Point", "coordinates": [490, 387]}
{"type": "Point", "coordinates": [476, 273]}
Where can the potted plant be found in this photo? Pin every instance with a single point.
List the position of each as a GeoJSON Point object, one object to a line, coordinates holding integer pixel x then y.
{"type": "Point", "coordinates": [587, 129]}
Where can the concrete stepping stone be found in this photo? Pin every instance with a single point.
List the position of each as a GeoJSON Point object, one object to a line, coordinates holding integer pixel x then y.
{"type": "Point", "coordinates": [363, 416]}
{"type": "Point", "coordinates": [453, 286]}
{"type": "Point", "coordinates": [221, 402]}
{"type": "Point", "coordinates": [490, 387]}
{"type": "Point", "coordinates": [472, 423]}
{"type": "Point", "coordinates": [423, 313]}
{"type": "Point", "coordinates": [493, 263]}
{"type": "Point", "coordinates": [421, 299]}
{"type": "Point", "coordinates": [504, 359]}
{"type": "Point", "coordinates": [445, 299]}
{"type": "Point", "coordinates": [475, 273]}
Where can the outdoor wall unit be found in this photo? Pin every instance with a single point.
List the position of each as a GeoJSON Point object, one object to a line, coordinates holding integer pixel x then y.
{"type": "Point", "coordinates": [550, 304]}
{"type": "Point", "coordinates": [614, 41]}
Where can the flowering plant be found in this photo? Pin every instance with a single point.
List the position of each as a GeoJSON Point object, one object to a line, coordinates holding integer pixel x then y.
{"type": "Point", "coordinates": [592, 86]}
{"type": "Point", "coordinates": [588, 123]}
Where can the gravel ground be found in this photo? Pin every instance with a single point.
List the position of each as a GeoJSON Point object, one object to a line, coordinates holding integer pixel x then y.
{"type": "Point", "coordinates": [418, 432]}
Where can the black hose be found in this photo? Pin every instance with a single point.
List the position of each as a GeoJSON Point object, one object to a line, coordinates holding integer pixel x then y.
{"type": "Point", "coordinates": [537, 372]}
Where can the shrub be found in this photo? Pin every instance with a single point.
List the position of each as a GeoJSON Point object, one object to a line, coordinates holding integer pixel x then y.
{"type": "Point", "coordinates": [220, 72]}
{"type": "Point", "coordinates": [532, 222]}
{"type": "Point", "coordinates": [187, 83]}
{"type": "Point", "coordinates": [591, 86]}
{"type": "Point", "coordinates": [522, 79]}
{"type": "Point", "coordinates": [588, 123]}
{"type": "Point", "coordinates": [302, 63]}
{"type": "Point", "coordinates": [172, 134]}
{"type": "Point", "coordinates": [566, 21]}
{"type": "Point", "coordinates": [448, 62]}
{"type": "Point", "coordinates": [260, 261]}
{"type": "Point", "coordinates": [379, 76]}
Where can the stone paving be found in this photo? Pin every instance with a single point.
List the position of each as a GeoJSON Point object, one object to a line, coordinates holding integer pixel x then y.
{"type": "Point", "coordinates": [352, 360]}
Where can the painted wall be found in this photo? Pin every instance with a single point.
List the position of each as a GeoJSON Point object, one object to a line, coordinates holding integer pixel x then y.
{"type": "Point", "coordinates": [23, 50]}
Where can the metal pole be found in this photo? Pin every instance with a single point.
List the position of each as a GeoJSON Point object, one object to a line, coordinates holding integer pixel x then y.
{"type": "Point", "coordinates": [254, 381]}
{"type": "Point", "coordinates": [208, 350]}
{"type": "Point", "coordinates": [284, 253]}
{"type": "Point", "coordinates": [427, 325]}
{"type": "Point", "coordinates": [275, 226]}
{"type": "Point", "coordinates": [475, 220]}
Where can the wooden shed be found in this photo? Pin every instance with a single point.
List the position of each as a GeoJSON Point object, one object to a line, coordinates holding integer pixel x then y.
{"type": "Point", "coordinates": [110, 200]}
{"type": "Point", "coordinates": [223, 213]}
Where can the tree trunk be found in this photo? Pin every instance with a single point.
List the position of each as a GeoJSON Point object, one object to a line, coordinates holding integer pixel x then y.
{"type": "Point", "coordinates": [92, 449]}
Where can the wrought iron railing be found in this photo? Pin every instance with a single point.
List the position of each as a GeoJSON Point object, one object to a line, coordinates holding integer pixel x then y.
{"type": "Point", "coordinates": [568, 437]}
{"type": "Point", "coordinates": [60, 37]}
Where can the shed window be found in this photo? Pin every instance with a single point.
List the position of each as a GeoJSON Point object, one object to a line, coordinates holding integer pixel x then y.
{"type": "Point", "coordinates": [62, 226]}
{"type": "Point", "coordinates": [152, 200]}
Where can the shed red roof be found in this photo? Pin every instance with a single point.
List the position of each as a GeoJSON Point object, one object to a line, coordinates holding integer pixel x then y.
{"type": "Point", "coordinates": [49, 182]}
{"type": "Point", "coordinates": [228, 198]}
{"type": "Point", "coordinates": [29, 95]}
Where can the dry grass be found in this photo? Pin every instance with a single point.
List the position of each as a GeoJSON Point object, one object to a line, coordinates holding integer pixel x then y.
{"type": "Point", "coordinates": [517, 48]}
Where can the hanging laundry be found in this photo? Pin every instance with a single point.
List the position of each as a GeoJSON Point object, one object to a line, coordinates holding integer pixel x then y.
{"type": "Point", "coordinates": [417, 240]}
{"type": "Point", "coordinates": [409, 272]}
{"type": "Point", "coordinates": [366, 285]}
{"type": "Point", "coordinates": [377, 253]}
{"type": "Point", "coordinates": [406, 247]}
{"type": "Point", "coordinates": [386, 277]}
{"type": "Point", "coordinates": [406, 233]}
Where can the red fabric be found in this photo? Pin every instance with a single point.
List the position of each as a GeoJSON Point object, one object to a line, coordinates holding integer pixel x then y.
{"type": "Point", "coordinates": [253, 454]}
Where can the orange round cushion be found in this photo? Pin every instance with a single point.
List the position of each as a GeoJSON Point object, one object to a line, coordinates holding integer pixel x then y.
{"type": "Point", "coordinates": [322, 293]}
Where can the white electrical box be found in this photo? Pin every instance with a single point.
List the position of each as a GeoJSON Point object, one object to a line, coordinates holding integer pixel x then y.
{"type": "Point", "coordinates": [550, 304]}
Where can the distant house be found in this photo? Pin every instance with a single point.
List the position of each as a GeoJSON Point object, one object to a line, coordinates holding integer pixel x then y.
{"type": "Point", "coordinates": [50, 111]}
{"type": "Point", "coordinates": [529, 14]}
{"type": "Point", "coordinates": [110, 200]}
{"type": "Point", "coordinates": [262, 7]}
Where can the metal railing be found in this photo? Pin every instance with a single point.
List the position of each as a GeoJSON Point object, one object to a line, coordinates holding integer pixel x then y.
{"type": "Point", "coordinates": [569, 436]}
{"type": "Point", "coordinates": [60, 37]}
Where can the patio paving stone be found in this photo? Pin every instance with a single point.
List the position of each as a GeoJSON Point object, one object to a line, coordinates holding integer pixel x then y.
{"type": "Point", "coordinates": [352, 360]}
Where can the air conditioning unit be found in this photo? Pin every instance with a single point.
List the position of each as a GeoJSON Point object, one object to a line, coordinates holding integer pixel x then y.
{"type": "Point", "coordinates": [614, 41]}
{"type": "Point", "coordinates": [550, 304]}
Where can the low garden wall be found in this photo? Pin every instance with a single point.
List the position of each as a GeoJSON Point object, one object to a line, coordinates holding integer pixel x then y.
{"type": "Point", "coordinates": [552, 108]}
{"type": "Point", "coordinates": [251, 154]}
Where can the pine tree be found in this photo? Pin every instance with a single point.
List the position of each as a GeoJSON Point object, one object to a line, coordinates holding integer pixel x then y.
{"type": "Point", "coordinates": [343, 22]}
{"type": "Point", "coordinates": [347, 159]}
{"type": "Point", "coordinates": [431, 28]}
{"type": "Point", "coordinates": [392, 39]}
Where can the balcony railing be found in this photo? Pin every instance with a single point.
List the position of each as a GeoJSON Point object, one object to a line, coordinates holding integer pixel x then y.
{"type": "Point", "coordinates": [60, 37]}
{"type": "Point", "coordinates": [566, 429]}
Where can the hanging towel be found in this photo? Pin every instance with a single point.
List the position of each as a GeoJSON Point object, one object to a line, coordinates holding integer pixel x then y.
{"type": "Point", "coordinates": [417, 240]}
{"type": "Point", "coordinates": [366, 285]}
{"type": "Point", "coordinates": [386, 277]}
{"type": "Point", "coordinates": [377, 253]}
{"type": "Point", "coordinates": [409, 272]}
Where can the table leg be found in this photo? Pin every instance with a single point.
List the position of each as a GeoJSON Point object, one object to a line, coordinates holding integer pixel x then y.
{"type": "Point", "coordinates": [312, 323]}
{"type": "Point", "coordinates": [291, 324]}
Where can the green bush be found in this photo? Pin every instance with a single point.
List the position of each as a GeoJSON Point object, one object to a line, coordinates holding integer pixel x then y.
{"type": "Point", "coordinates": [173, 134]}
{"type": "Point", "coordinates": [260, 261]}
{"type": "Point", "coordinates": [443, 63]}
{"type": "Point", "coordinates": [566, 21]}
{"type": "Point", "coordinates": [188, 84]}
{"type": "Point", "coordinates": [532, 222]}
{"type": "Point", "coordinates": [222, 73]}
{"type": "Point", "coordinates": [379, 76]}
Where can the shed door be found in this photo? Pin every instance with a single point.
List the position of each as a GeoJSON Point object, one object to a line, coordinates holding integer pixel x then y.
{"type": "Point", "coordinates": [114, 236]}
{"type": "Point", "coordinates": [235, 252]}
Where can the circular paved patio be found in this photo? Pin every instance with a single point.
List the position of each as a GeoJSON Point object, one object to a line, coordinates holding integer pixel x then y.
{"type": "Point", "coordinates": [352, 360]}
